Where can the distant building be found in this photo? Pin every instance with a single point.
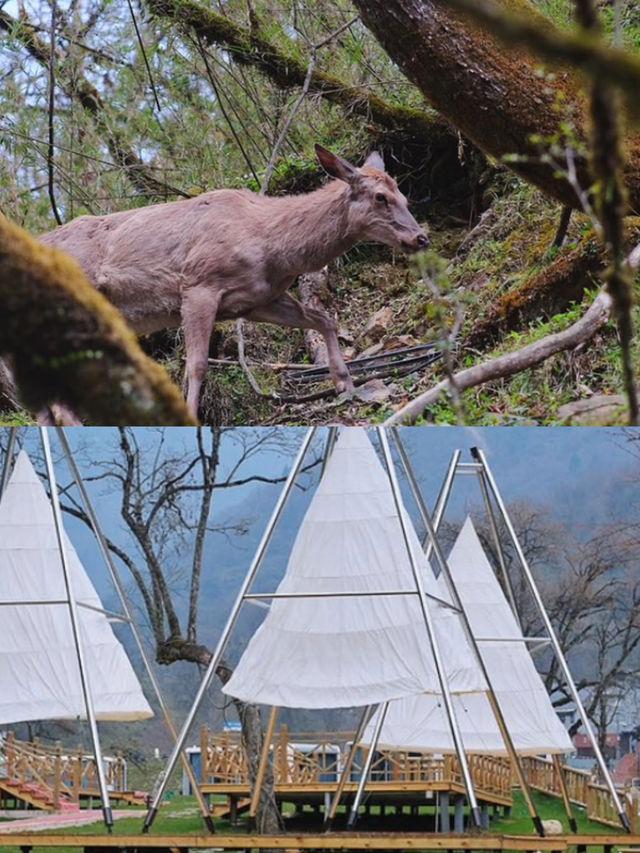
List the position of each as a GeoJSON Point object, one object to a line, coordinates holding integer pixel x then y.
{"type": "Point", "coordinates": [584, 746]}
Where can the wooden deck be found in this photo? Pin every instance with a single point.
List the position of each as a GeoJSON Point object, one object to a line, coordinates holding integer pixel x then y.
{"type": "Point", "coordinates": [325, 841]}
{"type": "Point", "coordinates": [307, 767]}
{"type": "Point", "coordinates": [49, 779]}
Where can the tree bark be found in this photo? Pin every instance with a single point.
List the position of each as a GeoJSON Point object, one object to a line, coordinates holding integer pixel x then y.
{"type": "Point", "coordinates": [495, 97]}
{"type": "Point", "coordinates": [311, 288]}
{"type": "Point", "coordinates": [69, 345]}
{"type": "Point", "coordinates": [544, 294]}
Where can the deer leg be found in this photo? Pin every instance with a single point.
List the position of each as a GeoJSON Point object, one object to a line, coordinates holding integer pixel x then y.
{"type": "Point", "coordinates": [58, 415]}
{"type": "Point", "coordinates": [287, 311]}
{"type": "Point", "coordinates": [199, 307]}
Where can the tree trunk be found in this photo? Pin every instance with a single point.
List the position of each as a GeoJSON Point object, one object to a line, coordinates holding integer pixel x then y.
{"type": "Point", "coordinates": [267, 814]}
{"type": "Point", "coordinates": [494, 96]}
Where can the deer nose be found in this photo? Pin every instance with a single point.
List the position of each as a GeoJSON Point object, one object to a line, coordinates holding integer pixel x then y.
{"type": "Point", "coordinates": [422, 241]}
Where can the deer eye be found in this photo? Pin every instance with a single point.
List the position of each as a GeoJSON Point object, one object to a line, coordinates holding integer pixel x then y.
{"type": "Point", "coordinates": [381, 197]}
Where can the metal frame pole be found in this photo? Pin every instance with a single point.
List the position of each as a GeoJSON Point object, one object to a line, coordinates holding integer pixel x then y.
{"type": "Point", "coordinates": [442, 500]}
{"type": "Point", "coordinates": [346, 770]}
{"type": "Point", "coordinates": [499, 549]}
{"type": "Point", "coordinates": [453, 590]}
{"type": "Point", "coordinates": [117, 582]}
{"type": "Point", "coordinates": [75, 626]}
{"type": "Point", "coordinates": [364, 777]}
{"type": "Point", "coordinates": [624, 819]}
{"type": "Point", "coordinates": [433, 640]}
{"type": "Point", "coordinates": [8, 461]}
{"type": "Point", "coordinates": [231, 621]}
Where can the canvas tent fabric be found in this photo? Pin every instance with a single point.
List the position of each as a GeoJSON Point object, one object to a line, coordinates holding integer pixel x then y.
{"type": "Point", "coordinates": [39, 673]}
{"type": "Point", "coordinates": [350, 651]}
{"type": "Point", "coordinates": [420, 723]}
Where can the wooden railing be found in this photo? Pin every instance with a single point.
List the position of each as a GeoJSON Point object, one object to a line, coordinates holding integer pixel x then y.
{"type": "Point", "coordinates": [311, 759]}
{"type": "Point", "coordinates": [584, 790]}
{"type": "Point", "coordinates": [300, 760]}
{"type": "Point", "coordinates": [64, 775]}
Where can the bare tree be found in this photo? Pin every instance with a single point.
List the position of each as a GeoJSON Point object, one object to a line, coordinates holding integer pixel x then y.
{"type": "Point", "coordinates": [166, 497]}
{"type": "Point", "coordinates": [591, 590]}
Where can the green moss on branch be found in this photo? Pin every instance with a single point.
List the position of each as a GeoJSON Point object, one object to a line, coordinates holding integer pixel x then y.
{"type": "Point", "coordinates": [69, 345]}
{"type": "Point", "coordinates": [250, 47]}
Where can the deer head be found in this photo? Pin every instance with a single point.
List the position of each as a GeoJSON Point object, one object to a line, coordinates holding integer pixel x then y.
{"type": "Point", "coordinates": [377, 209]}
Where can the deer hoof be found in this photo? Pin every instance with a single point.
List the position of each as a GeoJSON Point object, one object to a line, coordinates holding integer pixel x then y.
{"type": "Point", "coordinates": [344, 385]}
{"type": "Point", "coordinates": [345, 391]}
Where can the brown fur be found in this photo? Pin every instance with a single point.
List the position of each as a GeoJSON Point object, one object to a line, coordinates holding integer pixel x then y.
{"type": "Point", "coordinates": [232, 253]}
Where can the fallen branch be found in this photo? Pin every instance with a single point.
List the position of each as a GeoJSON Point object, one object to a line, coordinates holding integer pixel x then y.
{"type": "Point", "coordinates": [69, 345]}
{"type": "Point", "coordinates": [511, 363]}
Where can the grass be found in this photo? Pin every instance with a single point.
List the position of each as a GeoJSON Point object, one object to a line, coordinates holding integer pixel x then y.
{"type": "Point", "coordinates": [549, 808]}
{"type": "Point", "coordinates": [181, 816]}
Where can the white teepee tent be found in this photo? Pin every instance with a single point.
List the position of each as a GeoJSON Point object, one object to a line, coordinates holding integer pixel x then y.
{"type": "Point", "coordinates": [419, 722]}
{"type": "Point", "coordinates": [356, 649]}
{"type": "Point", "coordinates": [39, 672]}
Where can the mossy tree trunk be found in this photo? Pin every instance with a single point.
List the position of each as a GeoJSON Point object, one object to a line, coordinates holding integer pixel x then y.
{"type": "Point", "coordinates": [68, 345]}
{"type": "Point", "coordinates": [497, 98]}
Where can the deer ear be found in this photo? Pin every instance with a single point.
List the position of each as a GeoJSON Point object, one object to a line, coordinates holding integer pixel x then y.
{"type": "Point", "coordinates": [375, 161]}
{"type": "Point", "coordinates": [336, 166]}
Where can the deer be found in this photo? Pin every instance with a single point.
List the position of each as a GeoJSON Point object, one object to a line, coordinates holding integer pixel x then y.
{"type": "Point", "coordinates": [233, 253]}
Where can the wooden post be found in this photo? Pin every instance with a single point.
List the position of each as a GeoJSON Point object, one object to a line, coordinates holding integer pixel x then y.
{"type": "Point", "coordinates": [204, 753]}
{"type": "Point", "coordinates": [57, 775]}
{"type": "Point", "coordinates": [11, 754]}
{"type": "Point", "coordinates": [562, 783]}
{"type": "Point", "coordinates": [264, 758]}
{"type": "Point", "coordinates": [282, 765]}
{"type": "Point", "coordinates": [77, 775]}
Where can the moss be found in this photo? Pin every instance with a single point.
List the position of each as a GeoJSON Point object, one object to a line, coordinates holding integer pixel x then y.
{"type": "Point", "coordinates": [69, 345]}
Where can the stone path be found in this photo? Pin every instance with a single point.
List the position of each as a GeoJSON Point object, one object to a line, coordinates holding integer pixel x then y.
{"type": "Point", "coordinates": [46, 820]}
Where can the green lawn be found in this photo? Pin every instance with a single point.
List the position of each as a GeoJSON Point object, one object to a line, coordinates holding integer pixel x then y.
{"type": "Point", "coordinates": [181, 816]}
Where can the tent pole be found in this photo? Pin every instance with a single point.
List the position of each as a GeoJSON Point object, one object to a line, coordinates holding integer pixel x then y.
{"type": "Point", "coordinates": [264, 757]}
{"type": "Point", "coordinates": [443, 498]}
{"type": "Point", "coordinates": [75, 626]}
{"type": "Point", "coordinates": [433, 640]}
{"type": "Point", "coordinates": [499, 549]}
{"type": "Point", "coordinates": [8, 460]}
{"type": "Point", "coordinates": [115, 577]}
{"type": "Point", "coordinates": [453, 590]}
{"type": "Point", "coordinates": [366, 770]}
{"type": "Point", "coordinates": [346, 770]}
{"type": "Point", "coordinates": [231, 621]}
{"type": "Point", "coordinates": [562, 781]}
{"type": "Point", "coordinates": [328, 448]}
{"type": "Point", "coordinates": [624, 819]}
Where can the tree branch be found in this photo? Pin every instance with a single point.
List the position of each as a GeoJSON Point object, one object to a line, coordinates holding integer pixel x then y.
{"type": "Point", "coordinates": [584, 50]}
{"type": "Point", "coordinates": [80, 89]}
{"type": "Point", "coordinates": [69, 345]}
{"type": "Point", "coordinates": [511, 363]}
{"type": "Point", "coordinates": [279, 63]}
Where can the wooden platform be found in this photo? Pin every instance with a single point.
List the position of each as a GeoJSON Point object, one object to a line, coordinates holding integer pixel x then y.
{"type": "Point", "coordinates": [324, 841]}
